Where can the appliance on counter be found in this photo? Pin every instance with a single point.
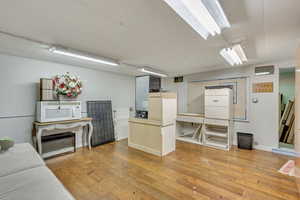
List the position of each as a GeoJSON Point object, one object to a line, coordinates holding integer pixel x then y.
{"type": "Point", "coordinates": [50, 111]}
{"type": "Point", "coordinates": [143, 86]}
{"type": "Point", "coordinates": [154, 84]}
{"type": "Point", "coordinates": [141, 114]}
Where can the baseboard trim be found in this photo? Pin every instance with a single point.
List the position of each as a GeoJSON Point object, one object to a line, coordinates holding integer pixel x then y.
{"type": "Point", "coordinates": [263, 148]}
{"type": "Point", "coordinates": [146, 149]}
{"type": "Point", "coordinates": [122, 138]}
{"type": "Point", "coordinates": [286, 152]}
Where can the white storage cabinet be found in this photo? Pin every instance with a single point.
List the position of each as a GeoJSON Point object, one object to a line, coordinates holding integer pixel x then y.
{"type": "Point", "coordinates": [218, 118]}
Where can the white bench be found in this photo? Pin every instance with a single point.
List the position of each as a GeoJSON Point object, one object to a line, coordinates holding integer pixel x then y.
{"type": "Point", "coordinates": [24, 175]}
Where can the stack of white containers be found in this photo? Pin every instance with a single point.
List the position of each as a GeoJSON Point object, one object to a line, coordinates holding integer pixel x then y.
{"type": "Point", "coordinates": [218, 117]}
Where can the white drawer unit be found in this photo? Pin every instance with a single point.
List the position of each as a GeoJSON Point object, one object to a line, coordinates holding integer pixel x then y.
{"type": "Point", "coordinates": [218, 103]}
{"type": "Point", "coordinates": [218, 118]}
{"type": "Point", "coordinates": [217, 112]}
{"type": "Point", "coordinates": [216, 100]}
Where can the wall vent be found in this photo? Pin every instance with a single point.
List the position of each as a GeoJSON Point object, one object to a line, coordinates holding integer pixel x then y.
{"type": "Point", "coordinates": [264, 70]}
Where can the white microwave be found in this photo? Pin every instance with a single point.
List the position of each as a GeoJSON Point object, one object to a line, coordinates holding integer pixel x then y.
{"type": "Point", "coordinates": [50, 111]}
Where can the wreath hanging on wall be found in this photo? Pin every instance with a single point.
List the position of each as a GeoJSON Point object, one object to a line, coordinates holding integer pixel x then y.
{"type": "Point", "coordinates": [67, 85]}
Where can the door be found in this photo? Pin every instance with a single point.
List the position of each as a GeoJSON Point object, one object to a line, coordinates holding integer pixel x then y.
{"type": "Point", "coordinates": [264, 112]}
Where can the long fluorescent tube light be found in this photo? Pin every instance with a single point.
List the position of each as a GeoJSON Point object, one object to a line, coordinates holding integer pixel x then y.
{"type": "Point", "coordinates": [234, 55]}
{"type": "Point", "coordinates": [206, 17]}
{"type": "Point", "coordinates": [153, 73]}
{"type": "Point", "coordinates": [75, 54]}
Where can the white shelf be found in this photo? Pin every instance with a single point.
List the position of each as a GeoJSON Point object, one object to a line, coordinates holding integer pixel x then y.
{"type": "Point", "coordinates": [183, 134]}
{"type": "Point", "coordinates": [217, 134]}
{"type": "Point", "coordinates": [216, 144]}
{"type": "Point", "coordinates": [217, 122]}
{"type": "Point", "coordinates": [189, 139]}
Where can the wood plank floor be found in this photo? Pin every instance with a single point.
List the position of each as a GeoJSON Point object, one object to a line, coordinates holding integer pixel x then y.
{"type": "Point", "coordinates": [114, 171]}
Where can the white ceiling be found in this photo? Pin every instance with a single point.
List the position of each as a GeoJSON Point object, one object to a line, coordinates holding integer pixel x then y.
{"type": "Point", "coordinates": [148, 32]}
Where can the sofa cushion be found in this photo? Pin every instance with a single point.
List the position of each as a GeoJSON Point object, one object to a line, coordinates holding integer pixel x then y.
{"type": "Point", "coordinates": [18, 158]}
{"type": "Point", "coordinates": [33, 184]}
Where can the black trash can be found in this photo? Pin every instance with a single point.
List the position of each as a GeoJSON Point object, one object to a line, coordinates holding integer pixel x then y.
{"type": "Point", "coordinates": [245, 140]}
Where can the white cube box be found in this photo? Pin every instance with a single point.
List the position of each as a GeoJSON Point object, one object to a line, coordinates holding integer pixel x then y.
{"type": "Point", "coordinates": [163, 107]}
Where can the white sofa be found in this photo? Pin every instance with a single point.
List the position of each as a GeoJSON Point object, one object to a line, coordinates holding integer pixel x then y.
{"type": "Point", "coordinates": [24, 175]}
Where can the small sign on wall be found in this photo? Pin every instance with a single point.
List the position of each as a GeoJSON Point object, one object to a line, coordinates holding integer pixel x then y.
{"type": "Point", "coordinates": [265, 87]}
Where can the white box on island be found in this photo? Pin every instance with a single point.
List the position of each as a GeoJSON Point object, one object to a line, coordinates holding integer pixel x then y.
{"type": "Point", "coordinates": [156, 135]}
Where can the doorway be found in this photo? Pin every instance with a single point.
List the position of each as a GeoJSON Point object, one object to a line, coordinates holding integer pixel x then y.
{"type": "Point", "coordinates": [286, 107]}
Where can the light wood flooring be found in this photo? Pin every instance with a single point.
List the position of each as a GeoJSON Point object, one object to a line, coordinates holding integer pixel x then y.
{"type": "Point", "coordinates": [115, 171]}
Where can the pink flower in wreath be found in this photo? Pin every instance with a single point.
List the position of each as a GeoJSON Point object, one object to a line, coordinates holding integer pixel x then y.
{"type": "Point", "coordinates": [62, 85]}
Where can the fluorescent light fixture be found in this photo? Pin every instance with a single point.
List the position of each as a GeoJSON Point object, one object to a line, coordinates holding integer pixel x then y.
{"type": "Point", "coordinates": [79, 55]}
{"type": "Point", "coordinates": [226, 53]}
{"type": "Point", "coordinates": [240, 52]}
{"type": "Point", "coordinates": [206, 17]}
{"type": "Point", "coordinates": [153, 73]}
{"type": "Point", "coordinates": [234, 55]}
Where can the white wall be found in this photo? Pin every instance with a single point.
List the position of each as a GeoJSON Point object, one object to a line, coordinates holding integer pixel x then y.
{"type": "Point", "coordinates": [263, 117]}
{"type": "Point", "coordinates": [18, 92]}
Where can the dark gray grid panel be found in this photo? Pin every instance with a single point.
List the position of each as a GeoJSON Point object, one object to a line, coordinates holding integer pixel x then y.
{"type": "Point", "coordinates": [101, 112]}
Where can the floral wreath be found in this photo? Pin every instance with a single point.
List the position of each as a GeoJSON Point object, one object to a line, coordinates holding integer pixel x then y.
{"type": "Point", "coordinates": [67, 85]}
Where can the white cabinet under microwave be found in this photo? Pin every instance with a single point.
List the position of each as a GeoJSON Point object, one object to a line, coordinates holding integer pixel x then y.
{"type": "Point", "coordinates": [49, 111]}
